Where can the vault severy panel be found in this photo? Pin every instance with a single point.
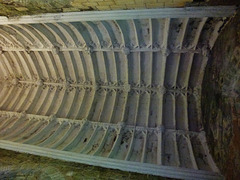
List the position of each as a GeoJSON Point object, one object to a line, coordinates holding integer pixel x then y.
{"type": "Point", "coordinates": [121, 93]}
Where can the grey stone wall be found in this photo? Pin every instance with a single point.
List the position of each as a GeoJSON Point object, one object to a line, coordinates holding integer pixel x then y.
{"type": "Point", "coordinates": [221, 100]}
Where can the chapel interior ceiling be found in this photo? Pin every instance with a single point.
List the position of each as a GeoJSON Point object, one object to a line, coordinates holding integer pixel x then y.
{"type": "Point", "coordinates": [120, 92]}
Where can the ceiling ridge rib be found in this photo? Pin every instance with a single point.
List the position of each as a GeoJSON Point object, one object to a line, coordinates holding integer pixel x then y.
{"type": "Point", "coordinates": [49, 119]}
{"type": "Point", "coordinates": [117, 87]}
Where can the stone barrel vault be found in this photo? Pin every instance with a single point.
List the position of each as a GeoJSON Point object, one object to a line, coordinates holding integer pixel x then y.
{"type": "Point", "coordinates": [117, 89]}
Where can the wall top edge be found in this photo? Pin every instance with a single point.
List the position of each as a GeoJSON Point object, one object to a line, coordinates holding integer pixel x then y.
{"type": "Point", "coordinates": [190, 12]}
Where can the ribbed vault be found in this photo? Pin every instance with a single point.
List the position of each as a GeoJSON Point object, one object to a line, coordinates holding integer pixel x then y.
{"type": "Point", "coordinates": [118, 91]}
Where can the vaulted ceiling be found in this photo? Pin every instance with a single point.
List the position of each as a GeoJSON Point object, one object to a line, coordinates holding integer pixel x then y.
{"type": "Point", "coordinates": [118, 89]}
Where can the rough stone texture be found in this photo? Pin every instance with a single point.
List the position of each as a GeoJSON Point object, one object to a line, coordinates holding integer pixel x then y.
{"type": "Point", "coordinates": [30, 167]}
{"type": "Point", "coordinates": [221, 100]}
{"type": "Point", "coordinates": [22, 7]}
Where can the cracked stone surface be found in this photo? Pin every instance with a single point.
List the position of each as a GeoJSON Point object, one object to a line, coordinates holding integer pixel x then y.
{"type": "Point", "coordinates": [119, 93]}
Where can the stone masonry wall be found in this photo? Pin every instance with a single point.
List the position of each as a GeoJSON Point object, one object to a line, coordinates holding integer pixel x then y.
{"type": "Point", "coordinates": [22, 7]}
{"type": "Point", "coordinates": [221, 100]}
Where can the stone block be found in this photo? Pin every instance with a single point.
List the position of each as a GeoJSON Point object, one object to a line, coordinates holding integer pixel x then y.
{"type": "Point", "coordinates": [136, 6]}
{"type": "Point", "coordinates": [124, 2]}
{"type": "Point", "coordinates": [21, 9]}
{"type": "Point", "coordinates": [149, 1]}
{"type": "Point", "coordinates": [90, 4]}
{"type": "Point", "coordinates": [106, 3]}
{"type": "Point", "coordinates": [154, 5]}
